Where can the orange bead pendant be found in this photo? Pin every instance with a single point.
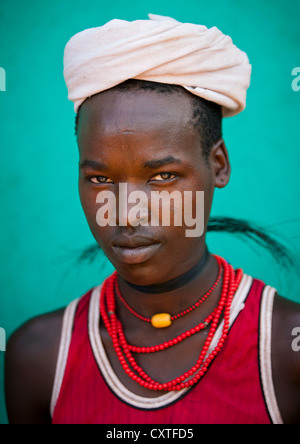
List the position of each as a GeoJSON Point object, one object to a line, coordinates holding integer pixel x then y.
{"type": "Point", "coordinates": [161, 320]}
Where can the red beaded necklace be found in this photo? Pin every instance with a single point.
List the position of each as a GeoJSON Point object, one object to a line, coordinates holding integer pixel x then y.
{"type": "Point", "coordinates": [231, 281]}
{"type": "Point", "coordinates": [178, 315]}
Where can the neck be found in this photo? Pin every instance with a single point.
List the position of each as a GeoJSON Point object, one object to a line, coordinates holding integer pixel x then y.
{"type": "Point", "coordinates": [175, 295]}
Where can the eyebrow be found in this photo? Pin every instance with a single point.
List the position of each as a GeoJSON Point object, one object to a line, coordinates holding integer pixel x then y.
{"type": "Point", "coordinates": [153, 164]}
{"type": "Point", "coordinates": [92, 164]}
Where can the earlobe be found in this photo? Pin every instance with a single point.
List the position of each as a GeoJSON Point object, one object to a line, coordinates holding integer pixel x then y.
{"type": "Point", "coordinates": [221, 164]}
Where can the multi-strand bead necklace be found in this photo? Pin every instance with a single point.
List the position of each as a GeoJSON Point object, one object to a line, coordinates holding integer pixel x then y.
{"type": "Point", "coordinates": [124, 351]}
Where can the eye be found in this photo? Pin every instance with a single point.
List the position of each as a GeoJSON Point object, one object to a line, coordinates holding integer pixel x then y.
{"type": "Point", "coordinates": [100, 179]}
{"type": "Point", "coordinates": [163, 176]}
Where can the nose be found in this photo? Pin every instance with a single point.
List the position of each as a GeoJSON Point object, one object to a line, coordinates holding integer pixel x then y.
{"type": "Point", "coordinates": [132, 206]}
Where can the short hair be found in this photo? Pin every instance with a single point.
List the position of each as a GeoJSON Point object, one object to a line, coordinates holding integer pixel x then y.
{"type": "Point", "coordinates": [206, 116]}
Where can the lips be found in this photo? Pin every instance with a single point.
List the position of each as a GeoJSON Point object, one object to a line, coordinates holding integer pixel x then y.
{"type": "Point", "coordinates": [136, 249]}
{"type": "Point", "coordinates": [134, 242]}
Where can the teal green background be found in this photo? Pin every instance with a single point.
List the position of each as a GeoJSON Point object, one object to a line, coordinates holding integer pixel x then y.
{"type": "Point", "coordinates": [42, 226]}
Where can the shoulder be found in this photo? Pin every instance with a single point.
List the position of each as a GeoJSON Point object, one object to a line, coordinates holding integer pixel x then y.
{"type": "Point", "coordinates": [30, 365]}
{"type": "Point", "coordinates": [286, 357]}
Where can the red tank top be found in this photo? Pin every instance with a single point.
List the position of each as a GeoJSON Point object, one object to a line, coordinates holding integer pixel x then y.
{"type": "Point", "coordinates": [87, 391]}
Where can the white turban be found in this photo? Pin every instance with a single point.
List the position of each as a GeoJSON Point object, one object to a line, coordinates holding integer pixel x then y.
{"type": "Point", "coordinates": [202, 60]}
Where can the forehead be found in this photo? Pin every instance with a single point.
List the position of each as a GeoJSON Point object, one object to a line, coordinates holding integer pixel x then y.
{"type": "Point", "coordinates": [116, 110]}
{"type": "Point", "coordinates": [145, 122]}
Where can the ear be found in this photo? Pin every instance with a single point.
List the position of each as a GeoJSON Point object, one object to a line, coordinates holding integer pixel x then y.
{"type": "Point", "coordinates": [219, 161]}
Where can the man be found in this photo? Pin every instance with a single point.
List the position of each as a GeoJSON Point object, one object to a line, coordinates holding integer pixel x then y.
{"type": "Point", "coordinates": [175, 335]}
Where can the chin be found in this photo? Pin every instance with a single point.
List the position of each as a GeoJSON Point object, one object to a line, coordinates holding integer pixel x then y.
{"type": "Point", "coordinates": [142, 274]}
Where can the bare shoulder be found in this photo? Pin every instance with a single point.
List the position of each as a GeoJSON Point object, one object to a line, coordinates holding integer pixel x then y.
{"type": "Point", "coordinates": [30, 366]}
{"type": "Point", "coordinates": [286, 357]}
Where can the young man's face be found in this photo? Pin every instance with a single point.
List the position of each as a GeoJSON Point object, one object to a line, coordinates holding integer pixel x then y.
{"type": "Point", "coordinates": [145, 140]}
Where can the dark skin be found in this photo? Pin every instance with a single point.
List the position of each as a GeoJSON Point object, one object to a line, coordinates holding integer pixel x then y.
{"type": "Point", "coordinates": [124, 131]}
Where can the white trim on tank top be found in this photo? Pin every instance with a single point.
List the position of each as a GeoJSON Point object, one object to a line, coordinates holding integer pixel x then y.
{"type": "Point", "coordinates": [265, 345]}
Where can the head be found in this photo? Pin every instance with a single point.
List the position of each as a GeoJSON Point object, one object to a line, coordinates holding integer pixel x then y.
{"type": "Point", "coordinates": [153, 137]}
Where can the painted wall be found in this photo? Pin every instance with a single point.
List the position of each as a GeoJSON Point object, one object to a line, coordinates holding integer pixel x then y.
{"type": "Point", "coordinates": [42, 226]}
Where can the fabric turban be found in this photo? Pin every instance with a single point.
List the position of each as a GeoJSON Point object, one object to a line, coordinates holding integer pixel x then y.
{"type": "Point", "coordinates": [202, 60]}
